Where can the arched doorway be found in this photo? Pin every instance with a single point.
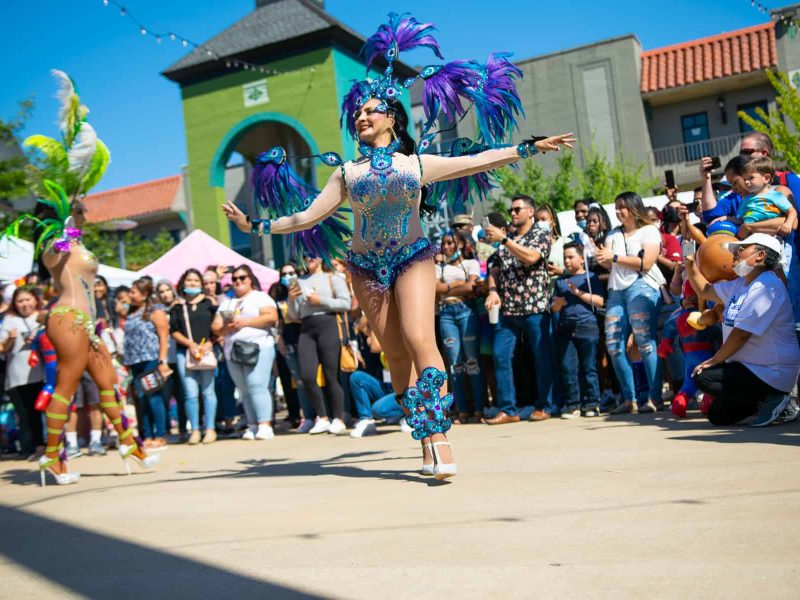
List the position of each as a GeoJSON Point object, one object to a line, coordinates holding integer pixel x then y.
{"type": "Point", "coordinates": [247, 139]}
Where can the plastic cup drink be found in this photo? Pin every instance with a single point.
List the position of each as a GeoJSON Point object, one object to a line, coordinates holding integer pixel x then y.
{"type": "Point", "coordinates": [494, 314]}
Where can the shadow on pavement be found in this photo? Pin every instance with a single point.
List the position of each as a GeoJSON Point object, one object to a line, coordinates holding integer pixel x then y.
{"type": "Point", "coordinates": [98, 566]}
{"type": "Point", "coordinates": [700, 430]}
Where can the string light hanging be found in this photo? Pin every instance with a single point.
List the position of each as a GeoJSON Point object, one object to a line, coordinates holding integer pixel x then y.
{"type": "Point", "coordinates": [790, 22]}
{"type": "Point", "coordinates": [228, 62]}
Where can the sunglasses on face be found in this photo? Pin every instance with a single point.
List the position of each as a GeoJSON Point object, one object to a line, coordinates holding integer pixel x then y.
{"type": "Point", "coordinates": [749, 151]}
{"type": "Point", "coordinates": [381, 108]}
{"type": "Point", "coordinates": [236, 278]}
{"type": "Point", "coordinates": [516, 209]}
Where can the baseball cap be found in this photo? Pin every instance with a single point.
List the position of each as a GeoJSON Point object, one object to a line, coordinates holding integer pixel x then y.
{"type": "Point", "coordinates": [462, 220]}
{"type": "Point", "coordinates": [762, 239]}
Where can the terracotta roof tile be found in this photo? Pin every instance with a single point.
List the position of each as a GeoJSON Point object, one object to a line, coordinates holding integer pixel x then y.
{"type": "Point", "coordinates": [133, 200]}
{"type": "Point", "coordinates": [723, 55]}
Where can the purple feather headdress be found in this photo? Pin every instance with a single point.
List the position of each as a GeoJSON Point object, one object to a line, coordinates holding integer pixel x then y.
{"type": "Point", "coordinates": [401, 33]}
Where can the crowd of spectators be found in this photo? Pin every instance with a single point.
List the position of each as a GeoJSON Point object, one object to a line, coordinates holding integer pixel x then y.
{"type": "Point", "coordinates": [532, 324]}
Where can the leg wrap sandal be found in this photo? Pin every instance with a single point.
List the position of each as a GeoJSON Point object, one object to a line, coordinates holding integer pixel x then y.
{"type": "Point", "coordinates": [58, 453]}
{"type": "Point", "coordinates": [429, 415]}
{"type": "Point", "coordinates": [128, 443]}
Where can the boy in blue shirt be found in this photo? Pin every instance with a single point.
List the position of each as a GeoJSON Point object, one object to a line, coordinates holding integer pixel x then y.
{"type": "Point", "coordinates": [764, 202]}
{"type": "Point", "coordinates": [575, 297]}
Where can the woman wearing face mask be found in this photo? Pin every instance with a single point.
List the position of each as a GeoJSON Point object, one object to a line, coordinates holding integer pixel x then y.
{"type": "Point", "coordinates": [168, 298]}
{"type": "Point", "coordinates": [546, 219]}
{"type": "Point", "coordinates": [581, 210]}
{"type": "Point", "coordinates": [458, 323]}
{"type": "Point", "coordinates": [634, 298]}
{"type": "Point", "coordinates": [759, 360]}
{"type": "Point", "coordinates": [190, 326]}
{"type": "Point", "coordinates": [23, 382]}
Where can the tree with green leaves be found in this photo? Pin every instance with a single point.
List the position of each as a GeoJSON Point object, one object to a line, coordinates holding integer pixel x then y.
{"type": "Point", "coordinates": [13, 162]}
{"type": "Point", "coordinates": [600, 178]}
{"type": "Point", "coordinates": [139, 251]}
{"type": "Point", "coordinates": [781, 126]}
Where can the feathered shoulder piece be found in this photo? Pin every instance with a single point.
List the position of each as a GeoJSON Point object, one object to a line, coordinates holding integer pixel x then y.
{"type": "Point", "coordinates": [280, 191]}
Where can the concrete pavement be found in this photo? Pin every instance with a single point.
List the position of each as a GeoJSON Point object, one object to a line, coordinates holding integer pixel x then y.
{"type": "Point", "coordinates": [614, 507]}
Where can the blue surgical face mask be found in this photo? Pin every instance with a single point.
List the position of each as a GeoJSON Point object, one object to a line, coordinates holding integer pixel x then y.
{"type": "Point", "coordinates": [582, 224]}
{"type": "Point", "coordinates": [285, 281]}
{"type": "Point", "coordinates": [455, 257]}
{"type": "Point", "coordinates": [192, 291]}
{"type": "Point", "coordinates": [543, 225]}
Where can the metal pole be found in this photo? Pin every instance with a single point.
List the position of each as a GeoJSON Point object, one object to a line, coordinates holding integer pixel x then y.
{"type": "Point", "coordinates": [121, 249]}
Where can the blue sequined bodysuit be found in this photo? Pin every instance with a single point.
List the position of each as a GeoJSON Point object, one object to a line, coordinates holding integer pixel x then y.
{"type": "Point", "coordinates": [384, 192]}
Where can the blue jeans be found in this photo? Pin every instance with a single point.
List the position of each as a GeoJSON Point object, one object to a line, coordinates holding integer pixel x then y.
{"type": "Point", "coordinates": [151, 408]}
{"type": "Point", "coordinates": [224, 388]}
{"type": "Point", "coordinates": [293, 362]}
{"type": "Point", "coordinates": [194, 384]}
{"type": "Point", "coordinates": [459, 327]}
{"type": "Point", "coordinates": [253, 386]}
{"type": "Point", "coordinates": [577, 355]}
{"type": "Point", "coordinates": [537, 329]}
{"type": "Point", "coordinates": [387, 408]}
{"type": "Point", "coordinates": [634, 309]}
{"type": "Point", "coordinates": [365, 390]}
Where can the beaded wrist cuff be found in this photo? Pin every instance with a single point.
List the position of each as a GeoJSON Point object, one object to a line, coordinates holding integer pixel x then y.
{"type": "Point", "coordinates": [260, 226]}
{"type": "Point", "coordinates": [526, 150]}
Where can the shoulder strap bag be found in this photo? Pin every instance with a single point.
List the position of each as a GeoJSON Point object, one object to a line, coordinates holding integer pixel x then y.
{"type": "Point", "coordinates": [206, 361]}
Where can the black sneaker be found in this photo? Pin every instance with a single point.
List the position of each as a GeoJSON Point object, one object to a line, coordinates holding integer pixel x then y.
{"type": "Point", "coordinates": [790, 413]}
{"type": "Point", "coordinates": [770, 409]}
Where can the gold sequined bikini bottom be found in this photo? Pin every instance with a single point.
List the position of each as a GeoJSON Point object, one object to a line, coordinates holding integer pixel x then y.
{"type": "Point", "coordinates": [81, 320]}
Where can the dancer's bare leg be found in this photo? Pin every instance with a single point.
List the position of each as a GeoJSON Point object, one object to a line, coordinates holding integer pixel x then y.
{"type": "Point", "coordinates": [384, 319]}
{"type": "Point", "coordinates": [415, 296]}
{"type": "Point", "coordinates": [72, 348]}
{"type": "Point", "coordinates": [105, 376]}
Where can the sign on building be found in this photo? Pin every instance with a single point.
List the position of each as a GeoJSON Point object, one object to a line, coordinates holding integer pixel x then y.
{"type": "Point", "coordinates": [255, 93]}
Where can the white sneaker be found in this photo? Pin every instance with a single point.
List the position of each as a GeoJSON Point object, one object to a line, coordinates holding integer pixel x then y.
{"type": "Point", "coordinates": [249, 434]}
{"type": "Point", "coordinates": [337, 427]}
{"type": "Point", "coordinates": [264, 433]}
{"type": "Point", "coordinates": [305, 426]}
{"type": "Point", "coordinates": [405, 427]}
{"type": "Point", "coordinates": [321, 426]}
{"type": "Point", "coordinates": [363, 428]}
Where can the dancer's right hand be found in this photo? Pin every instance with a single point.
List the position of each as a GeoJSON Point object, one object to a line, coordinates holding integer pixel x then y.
{"type": "Point", "coordinates": [235, 215]}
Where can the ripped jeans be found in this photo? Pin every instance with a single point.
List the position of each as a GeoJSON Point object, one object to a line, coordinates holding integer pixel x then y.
{"type": "Point", "coordinates": [635, 308]}
{"type": "Point", "coordinates": [459, 327]}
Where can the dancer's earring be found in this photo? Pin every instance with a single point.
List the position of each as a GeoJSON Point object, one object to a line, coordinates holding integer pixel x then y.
{"type": "Point", "coordinates": [394, 135]}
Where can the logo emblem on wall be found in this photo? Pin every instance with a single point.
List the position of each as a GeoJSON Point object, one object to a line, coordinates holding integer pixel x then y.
{"type": "Point", "coordinates": [255, 93]}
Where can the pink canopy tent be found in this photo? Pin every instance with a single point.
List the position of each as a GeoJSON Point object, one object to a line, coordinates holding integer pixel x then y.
{"type": "Point", "coordinates": [199, 250]}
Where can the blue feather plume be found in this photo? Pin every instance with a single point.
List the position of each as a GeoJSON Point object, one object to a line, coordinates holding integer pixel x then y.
{"type": "Point", "coordinates": [496, 101]}
{"type": "Point", "coordinates": [401, 33]}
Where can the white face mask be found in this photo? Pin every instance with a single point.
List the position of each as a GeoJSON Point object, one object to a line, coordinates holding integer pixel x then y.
{"type": "Point", "coordinates": [742, 269]}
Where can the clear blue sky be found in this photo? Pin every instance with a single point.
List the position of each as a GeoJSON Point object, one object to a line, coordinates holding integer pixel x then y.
{"type": "Point", "coordinates": [137, 112]}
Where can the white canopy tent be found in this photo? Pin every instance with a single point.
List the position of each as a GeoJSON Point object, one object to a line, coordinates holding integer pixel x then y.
{"type": "Point", "coordinates": [16, 260]}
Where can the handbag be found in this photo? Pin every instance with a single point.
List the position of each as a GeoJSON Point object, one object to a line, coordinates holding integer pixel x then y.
{"type": "Point", "coordinates": [347, 358]}
{"type": "Point", "coordinates": [207, 361]}
{"type": "Point", "coordinates": [244, 353]}
{"type": "Point", "coordinates": [149, 382]}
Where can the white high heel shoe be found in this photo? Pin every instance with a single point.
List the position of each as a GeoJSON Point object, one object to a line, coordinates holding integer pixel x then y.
{"type": "Point", "coordinates": [427, 469]}
{"type": "Point", "coordinates": [148, 462]}
{"type": "Point", "coordinates": [443, 470]}
{"type": "Point", "coordinates": [45, 463]}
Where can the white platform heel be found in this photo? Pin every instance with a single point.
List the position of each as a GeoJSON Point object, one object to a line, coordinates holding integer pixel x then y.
{"type": "Point", "coordinates": [126, 453]}
{"type": "Point", "coordinates": [442, 470]}
{"type": "Point", "coordinates": [427, 469]}
{"type": "Point", "coordinates": [45, 463]}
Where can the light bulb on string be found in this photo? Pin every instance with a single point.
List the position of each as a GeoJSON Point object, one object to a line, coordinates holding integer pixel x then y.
{"type": "Point", "coordinates": [143, 31]}
{"type": "Point", "coordinates": [158, 39]}
{"type": "Point", "coordinates": [122, 11]}
{"type": "Point", "coordinates": [185, 43]}
{"type": "Point", "coordinates": [172, 37]}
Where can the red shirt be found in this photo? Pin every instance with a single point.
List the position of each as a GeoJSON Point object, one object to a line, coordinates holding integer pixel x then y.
{"type": "Point", "coordinates": [670, 247]}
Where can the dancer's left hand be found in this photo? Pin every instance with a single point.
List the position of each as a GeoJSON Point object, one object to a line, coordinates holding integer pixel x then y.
{"type": "Point", "coordinates": [554, 142]}
{"type": "Point", "coordinates": [236, 216]}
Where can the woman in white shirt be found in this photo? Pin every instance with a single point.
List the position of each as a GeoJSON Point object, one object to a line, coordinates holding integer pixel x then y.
{"type": "Point", "coordinates": [759, 360]}
{"type": "Point", "coordinates": [458, 322]}
{"type": "Point", "coordinates": [23, 382]}
{"type": "Point", "coordinates": [634, 298]}
{"type": "Point", "coordinates": [245, 321]}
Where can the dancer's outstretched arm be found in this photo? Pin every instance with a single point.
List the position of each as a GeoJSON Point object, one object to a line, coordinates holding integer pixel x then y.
{"type": "Point", "coordinates": [330, 198]}
{"type": "Point", "coordinates": [440, 168]}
